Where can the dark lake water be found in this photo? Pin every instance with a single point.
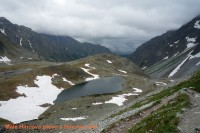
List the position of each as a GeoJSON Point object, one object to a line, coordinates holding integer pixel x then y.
{"type": "Point", "coordinates": [98, 86]}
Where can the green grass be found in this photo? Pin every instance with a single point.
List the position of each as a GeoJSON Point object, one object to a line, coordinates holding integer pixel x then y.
{"type": "Point", "coordinates": [194, 82]}
{"type": "Point", "coordinates": [163, 120]}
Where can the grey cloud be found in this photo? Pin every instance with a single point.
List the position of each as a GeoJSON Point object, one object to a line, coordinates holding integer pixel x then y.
{"type": "Point", "coordinates": [121, 25]}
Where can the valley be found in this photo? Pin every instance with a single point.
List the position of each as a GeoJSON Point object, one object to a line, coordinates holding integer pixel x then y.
{"type": "Point", "coordinates": [60, 85]}
{"type": "Point", "coordinates": [135, 85]}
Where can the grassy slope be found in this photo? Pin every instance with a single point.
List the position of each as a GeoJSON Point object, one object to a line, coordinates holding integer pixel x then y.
{"type": "Point", "coordinates": [164, 120]}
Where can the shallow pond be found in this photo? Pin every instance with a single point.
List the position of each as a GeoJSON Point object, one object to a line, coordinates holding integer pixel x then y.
{"type": "Point", "coordinates": [99, 86]}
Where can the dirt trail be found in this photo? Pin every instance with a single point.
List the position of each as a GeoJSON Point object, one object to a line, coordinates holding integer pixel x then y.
{"type": "Point", "coordinates": [124, 125]}
{"type": "Point", "coordinates": [190, 120]}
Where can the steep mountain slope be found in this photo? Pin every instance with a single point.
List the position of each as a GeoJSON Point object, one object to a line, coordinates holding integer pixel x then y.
{"type": "Point", "coordinates": [10, 52]}
{"type": "Point", "coordinates": [164, 55]}
{"type": "Point", "coordinates": [49, 47]}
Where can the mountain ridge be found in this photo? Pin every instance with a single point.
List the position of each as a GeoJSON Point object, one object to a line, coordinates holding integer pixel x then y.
{"type": "Point", "coordinates": [48, 47]}
{"type": "Point", "coordinates": [171, 46]}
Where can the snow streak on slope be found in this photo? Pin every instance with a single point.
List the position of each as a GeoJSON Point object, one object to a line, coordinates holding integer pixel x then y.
{"type": "Point", "coordinates": [166, 58]}
{"type": "Point", "coordinates": [179, 66]}
{"type": "Point", "coordinates": [31, 45]}
{"type": "Point", "coordinates": [160, 84]}
{"type": "Point", "coordinates": [177, 41]}
{"type": "Point", "coordinates": [20, 42]}
{"type": "Point", "coordinates": [64, 79]}
{"type": "Point", "coordinates": [122, 71]}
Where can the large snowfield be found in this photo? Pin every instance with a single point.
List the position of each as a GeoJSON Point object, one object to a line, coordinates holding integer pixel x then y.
{"type": "Point", "coordinates": [28, 107]}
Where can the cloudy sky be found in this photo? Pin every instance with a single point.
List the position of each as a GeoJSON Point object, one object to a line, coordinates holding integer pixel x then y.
{"type": "Point", "coordinates": [121, 25]}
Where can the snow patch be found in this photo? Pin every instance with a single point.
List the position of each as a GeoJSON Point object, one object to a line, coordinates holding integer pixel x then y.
{"type": "Point", "coordinates": [74, 119]}
{"type": "Point", "coordinates": [3, 31]}
{"type": "Point", "coordinates": [197, 24]}
{"type": "Point", "coordinates": [98, 103]}
{"type": "Point", "coordinates": [189, 45]}
{"type": "Point", "coordinates": [120, 74]}
{"type": "Point", "coordinates": [137, 90]}
{"type": "Point", "coordinates": [198, 63]}
{"type": "Point", "coordinates": [161, 84]}
{"type": "Point", "coordinates": [27, 108]}
{"type": "Point", "coordinates": [120, 99]}
{"type": "Point", "coordinates": [64, 79]}
{"type": "Point", "coordinates": [74, 108]}
{"type": "Point", "coordinates": [54, 75]}
{"type": "Point", "coordinates": [191, 42]}
{"type": "Point", "coordinates": [88, 65]}
{"type": "Point", "coordinates": [144, 67]}
{"type": "Point", "coordinates": [195, 56]}
{"type": "Point", "coordinates": [170, 45]}
{"type": "Point", "coordinates": [109, 61]}
{"type": "Point", "coordinates": [191, 39]}
{"type": "Point", "coordinates": [4, 59]}
{"type": "Point", "coordinates": [122, 71]}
